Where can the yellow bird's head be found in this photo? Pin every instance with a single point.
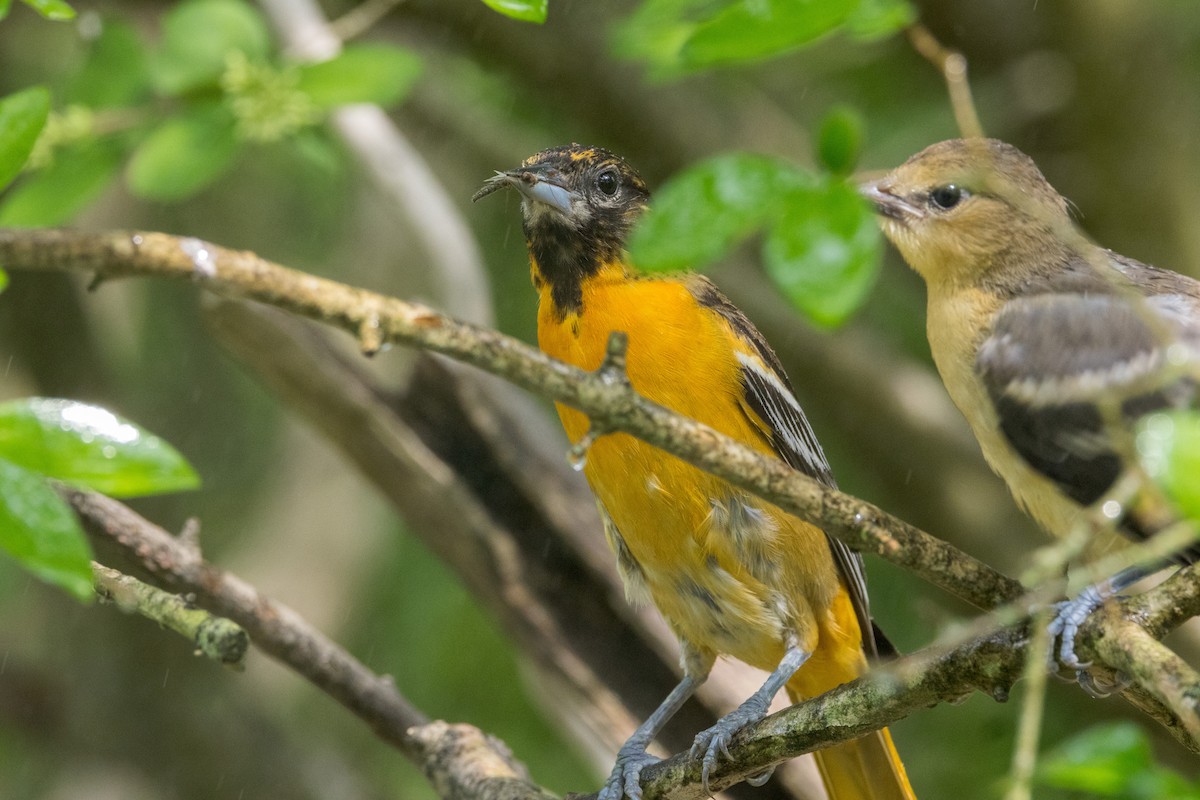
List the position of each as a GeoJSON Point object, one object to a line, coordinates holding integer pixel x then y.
{"type": "Point", "coordinates": [962, 208]}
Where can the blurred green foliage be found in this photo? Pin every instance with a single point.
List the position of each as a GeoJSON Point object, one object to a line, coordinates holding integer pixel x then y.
{"type": "Point", "coordinates": [22, 117]}
{"type": "Point", "coordinates": [527, 10]}
{"type": "Point", "coordinates": [179, 112]}
{"type": "Point", "coordinates": [1169, 445]}
{"type": "Point", "coordinates": [676, 37]}
{"type": "Point", "coordinates": [1112, 760]}
{"type": "Point", "coordinates": [821, 244]}
{"type": "Point", "coordinates": [50, 9]}
{"type": "Point", "coordinates": [41, 532]}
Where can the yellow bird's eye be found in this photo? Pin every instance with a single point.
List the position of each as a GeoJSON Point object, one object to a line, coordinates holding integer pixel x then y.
{"type": "Point", "coordinates": [948, 196]}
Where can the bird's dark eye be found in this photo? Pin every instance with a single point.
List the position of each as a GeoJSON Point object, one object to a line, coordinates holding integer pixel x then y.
{"type": "Point", "coordinates": [948, 196]}
{"type": "Point", "coordinates": [607, 182]}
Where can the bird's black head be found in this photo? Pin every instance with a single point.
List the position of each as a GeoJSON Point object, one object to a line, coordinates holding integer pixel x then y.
{"type": "Point", "coordinates": [579, 204]}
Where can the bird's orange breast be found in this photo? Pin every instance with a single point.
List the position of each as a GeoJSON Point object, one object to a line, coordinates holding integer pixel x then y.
{"type": "Point", "coordinates": [730, 573]}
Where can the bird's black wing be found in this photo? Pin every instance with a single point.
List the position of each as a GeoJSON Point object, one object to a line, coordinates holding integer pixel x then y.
{"type": "Point", "coordinates": [767, 394]}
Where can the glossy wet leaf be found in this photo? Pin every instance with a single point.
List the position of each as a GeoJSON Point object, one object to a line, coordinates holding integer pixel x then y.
{"type": "Point", "coordinates": [1169, 445]}
{"type": "Point", "coordinates": [525, 10]}
{"type": "Point", "coordinates": [706, 209]}
{"type": "Point", "coordinates": [55, 194]}
{"type": "Point", "coordinates": [116, 73]}
{"type": "Point", "coordinates": [22, 117]}
{"type": "Point", "coordinates": [40, 531]}
{"type": "Point", "coordinates": [824, 252]}
{"type": "Point", "coordinates": [199, 35]}
{"type": "Point", "coordinates": [183, 155]}
{"type": "Point", "coordinates": [52, 9]}
{"type": "Point", "coordinates": [370, 73]}
{"type": "Point", "coordinates": [89, 446]}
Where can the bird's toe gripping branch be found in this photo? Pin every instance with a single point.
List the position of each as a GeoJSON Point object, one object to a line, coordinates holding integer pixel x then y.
{"type": "Point", "coordinates": [1071, 614]}
{"type": "Point", "coordinates": [626, 776]}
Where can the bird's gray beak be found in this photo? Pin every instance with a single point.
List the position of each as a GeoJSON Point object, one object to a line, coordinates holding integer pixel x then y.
{"type": "Point", "coordinates": [537, 183]}
{"type": "Point", "coordinates": [886, 203]}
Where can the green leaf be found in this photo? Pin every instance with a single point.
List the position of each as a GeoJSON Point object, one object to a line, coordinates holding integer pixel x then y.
{"type": "Point", "coordinates": [365, 73]}
{"type": "Point", "coordinates": [183, 155]}
{"type": "Point", "coordinates": [116, 73]}
{"type": "Point", "coordinates": [52, 9]}
{"type": "Point", "coordinates": [1169, 445]}
{"type": "Point", "coordinates": [22, 117]}
{"type": "Point", "coordinates": [703, 211]}
{"type": "Point", "coordinates": [198, 35]}
{"type": "Point", "coordinates": [756, 29]}
{"type": "Point", "coordinates": [55, 194]}
{"type": "Point", "coordinates": [824, 252]}
{"type": "Point", "coordinates": [89, 446]}
{"type": "Point", "coordinates": [524, 10]}
{"type": "Point", "coordinates": [41, 532]}
{"type": "Point", "coordinates": [3, 279]}
{"type": "Point", "coordinates": [5, 5]}
{"type": "Point", "coordinates": [874, 19]}
{"type": "Point", "coordinates": [840, 140]}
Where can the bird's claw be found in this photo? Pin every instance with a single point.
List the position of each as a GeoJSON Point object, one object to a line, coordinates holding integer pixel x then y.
{"type": "Point", "coordinates": [1101, 686]}
{"type": "Point", "coordinates": [626, 776]}
{"type": "Point", "coordinates": [713, 743]}
{"type": "Point", "coordinates": [1069, 615]}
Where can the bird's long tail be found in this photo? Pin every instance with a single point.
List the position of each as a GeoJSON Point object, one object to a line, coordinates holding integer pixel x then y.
{"type": "Point", "coordinates": [868, 768]}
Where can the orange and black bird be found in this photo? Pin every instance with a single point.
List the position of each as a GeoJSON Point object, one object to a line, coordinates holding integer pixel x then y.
{"type": "Point", "coordinates": [1051, 346]}
{"type": "Point", "coordinates": [732, 574]}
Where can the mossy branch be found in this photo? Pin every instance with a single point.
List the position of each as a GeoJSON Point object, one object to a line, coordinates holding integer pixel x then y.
{"type": "Point", "coordinates": [213, 637]}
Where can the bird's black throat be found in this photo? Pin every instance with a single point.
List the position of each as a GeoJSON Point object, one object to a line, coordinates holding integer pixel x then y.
{"type": "Point", "coordinates": [566, 256]}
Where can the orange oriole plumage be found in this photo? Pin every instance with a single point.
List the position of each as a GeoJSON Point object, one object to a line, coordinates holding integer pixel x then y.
{"type": "Point", "coordinates": [732, 574]}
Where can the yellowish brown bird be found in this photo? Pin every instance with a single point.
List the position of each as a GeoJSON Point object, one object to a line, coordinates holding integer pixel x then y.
{"type": "Point", "coordinates": [732, 574]}
{"type": "Point", "coordinates": [1051, 346]}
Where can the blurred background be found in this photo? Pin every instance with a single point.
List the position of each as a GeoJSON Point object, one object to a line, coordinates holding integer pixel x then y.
{"type": "Point", "coordinates": [1102, 93]}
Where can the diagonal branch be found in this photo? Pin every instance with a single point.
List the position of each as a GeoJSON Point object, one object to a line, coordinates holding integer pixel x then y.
{"type": "Point", "coordinates": [453, 757]}
{"type": "Point", "coordinates": [377, 319]}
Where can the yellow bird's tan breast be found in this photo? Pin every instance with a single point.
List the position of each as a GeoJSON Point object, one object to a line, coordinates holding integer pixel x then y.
{"type": "Point", "coordinates": [958, 321]}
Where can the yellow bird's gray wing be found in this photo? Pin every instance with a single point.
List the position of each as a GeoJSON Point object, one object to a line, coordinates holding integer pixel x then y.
{"type": "Point", "coordinates": [1069, 370]}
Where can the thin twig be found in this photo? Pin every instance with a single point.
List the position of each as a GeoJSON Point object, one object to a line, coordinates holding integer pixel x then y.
{"type": "Point", "coordinates": [1032, 708]}
{"type": "Point", "coordinates": [953, 66]}
{"type": "Point", "coordinates": [213, 637]}
{"type": "Point", "coordinates": [361, 18]}
{"type": "Point", "coordinates": [276, 629]}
